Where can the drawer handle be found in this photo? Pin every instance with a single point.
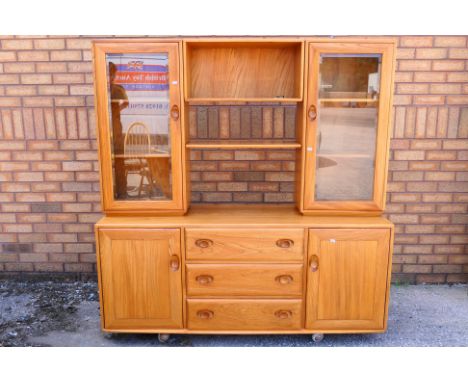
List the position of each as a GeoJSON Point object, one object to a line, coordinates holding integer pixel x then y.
{"type": "Point", "coordinates": [284, 279]}
{"type": "Point", "coordinates": [283, 314]}
{"type": "Point", "coordinates": [314, 263]}
{"type": "Point", "coordinates": [174, 263]}
{"type": "Point", "coordinates": [204, 279]}
{"type": "Point", "coordinates": [204, 243]}
{"type": "Point", "coordinates": [284, 243]}
{"type": "Point", "coordinates": [205, 314]}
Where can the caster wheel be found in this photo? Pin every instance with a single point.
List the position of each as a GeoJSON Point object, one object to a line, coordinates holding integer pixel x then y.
{"type": "Point", "coordinates": [163, 337]}
{"type": "Point", "coordinates": [108, 336]}
{"type": "Point", "coordinates": [317, 337]}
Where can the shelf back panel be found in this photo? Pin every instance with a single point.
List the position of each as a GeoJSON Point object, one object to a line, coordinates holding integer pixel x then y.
{"type": "Point", "coordinates": [244, 71]}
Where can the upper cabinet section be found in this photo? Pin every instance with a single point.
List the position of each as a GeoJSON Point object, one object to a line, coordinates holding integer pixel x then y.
{"type": "Point", "coordinates": [244, 71]}
{"type": "Point", "coordinates": [138, 106]}
{"type": "Point", "coordinates": [348, 111]}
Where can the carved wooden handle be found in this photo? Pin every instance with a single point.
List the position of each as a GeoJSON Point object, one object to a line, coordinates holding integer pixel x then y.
{"type": "Point", "coordinates": [204, 243]}
{"type": "Point", "coordinates": [205, 314]}
{"type": "Point", "coordinates": [284, 279]}
{"type": "Point", "coordinates": [314, 263]}
{"type": "Point", "coordinates": [174, 263]}
{"type": "Point", "coordinates": [284, 243]}
{"type": "Point", "coordinates": [283, 314]}
{"type": "Point", "coordinates": [204, 279]}
{"type": "Point", "coordinates": [312, 113]}
{"type": "Point", "coordinates": [175, 112]}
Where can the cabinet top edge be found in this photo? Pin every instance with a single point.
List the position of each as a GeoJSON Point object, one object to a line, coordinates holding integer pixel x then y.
{"type": "Point", "coordinates": [244, 217]}
{"type": "Point", "coordinates": [252, 39]}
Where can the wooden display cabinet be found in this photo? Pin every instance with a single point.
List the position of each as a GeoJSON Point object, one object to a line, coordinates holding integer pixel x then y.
{"type": "Point", "coordinates": [167, 267]}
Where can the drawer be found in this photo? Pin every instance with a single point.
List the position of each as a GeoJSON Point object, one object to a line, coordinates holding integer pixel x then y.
{"type": "Point", "coordinates": [282, 280]}
{"type": "Point", "coordinates": [244, 314]}
{"type": "Point", "coordinates": [245, 244]}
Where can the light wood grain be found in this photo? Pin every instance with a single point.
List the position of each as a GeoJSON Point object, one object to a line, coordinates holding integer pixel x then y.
{"type": "Point", "coordinates": [245, 71]}
{"type": "Point", "coordinates": [244, 245]}
{"type": "Point", "coordinates": [243, 145]}
{"type": "Point", "coordinates": [347, 278]}
{"type": "Point", "coordinates": [110, 204]}
{"type": "Point", "coordinates": [230, 314]}
{"type": "Point", "coordinates": [259, 280]}
{"type": "Point", "coordinates": [246, 217]}
{"type": "Point", "coordinates": [316, 47]}
{"type": "Point", "coordinates": [140, 286]}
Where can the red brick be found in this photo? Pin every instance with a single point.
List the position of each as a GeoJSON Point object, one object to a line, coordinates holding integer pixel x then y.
{"type": "Point", "coordinates": [412, 88]}
{"type": "Point", "coordinates": [65, 55]}
{"type": "Point", "coordinates": [429, 100]}
{"type": "Point", "coordinates": [414, 65]}
{"type": "Point", "coordinates": [458, 53]}
{"type": "Point", "coordinates": [450, 41]}
{"type": "Point", "coordinates": [430, 279]}
{"type": "Point", "coordinates": [429, 77]}
{"type": "Point", "coordinates": [49, 44]}
{"type": "Point", "coordinates": [410, 268]}
{"type": "Point", "coordinates": [447, 65]}
{"type": "Point", "coordinates": [439, 197]}
{"type": "Point", "coordinates": [439, 176]}
{"type": "Point", "coordinates": [432, 53]}
{"type": "Point", "coordinates": [416, 41]}
{"type": "Point", "coordinates": [420, 228]}
{"type": "Point", "coordinates": [409, 155]}
{"type": "Point", "coordinates": [432, 259]}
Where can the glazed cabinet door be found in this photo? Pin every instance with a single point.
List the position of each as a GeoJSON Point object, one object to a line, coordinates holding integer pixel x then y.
{"type": "Point", "coordinates": [139, 121]}
{"type": "Point", "coordinates": [347, 279]}
{"type": "Point", "coordinates": [140, 278]}
{"type": "Point", "coordinates": [349, 89]}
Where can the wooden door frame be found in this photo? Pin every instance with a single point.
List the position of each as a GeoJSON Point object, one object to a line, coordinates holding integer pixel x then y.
{"type": "Point", "coordinates": [104, 237]}
{"type": "Point", "coordinates": [109, 204]}
{"type": "Point", "coordinates": [386, 47]}
{"type": "Point", "coordinates": [384, 238]}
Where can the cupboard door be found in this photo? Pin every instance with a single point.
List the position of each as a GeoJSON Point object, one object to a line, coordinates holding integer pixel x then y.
{"type": "Point", "coordinates": [348, 112]}
{"type": "Point", "coordinates": [138, 106]}
{"type": "Point", "coordinates": [140, 274]}
{"type": "Point", "coordinates": [347, 279]}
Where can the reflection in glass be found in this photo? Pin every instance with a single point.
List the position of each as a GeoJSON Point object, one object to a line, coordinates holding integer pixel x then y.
{"type": "Point", "coordinates": [140, 126]}
{"type": "Point", "coordinates": [347, 126]}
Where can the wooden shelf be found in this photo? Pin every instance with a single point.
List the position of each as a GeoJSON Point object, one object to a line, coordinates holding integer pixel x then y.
{"type": "Point", "coordinates": [242, 145]}
{"type": "Point", "coordinates": [368, 100]}
{"type": "Point", "coordinates": [240, 101]}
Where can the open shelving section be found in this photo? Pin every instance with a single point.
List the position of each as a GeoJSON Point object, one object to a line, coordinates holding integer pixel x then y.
{"type": "Point", "coordinates": [244, 71]}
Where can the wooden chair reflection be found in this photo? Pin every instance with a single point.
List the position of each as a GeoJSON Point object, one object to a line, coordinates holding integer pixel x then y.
{"type": "Point", "coordinates": [137, 143]}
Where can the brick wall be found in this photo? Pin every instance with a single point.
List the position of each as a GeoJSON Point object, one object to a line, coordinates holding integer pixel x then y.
{"type": "Point", "coordinates": [48, 162]}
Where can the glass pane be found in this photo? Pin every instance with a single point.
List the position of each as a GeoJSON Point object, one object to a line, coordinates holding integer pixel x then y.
{"type": "Point", "coordinates": [140, 125]}
{"type": "Point", "coordinates": [347, 126]}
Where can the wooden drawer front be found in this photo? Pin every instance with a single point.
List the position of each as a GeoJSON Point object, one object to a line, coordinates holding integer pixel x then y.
{"type": "Point", "coordinates": [282, 280]}
{"type": "Point", "coordinates": [244, 314]}
{"type": "Point", "coordinates": [244, 244]}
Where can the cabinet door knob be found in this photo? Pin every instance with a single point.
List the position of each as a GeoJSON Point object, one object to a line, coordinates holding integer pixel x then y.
{"type": "Point", "coordinates": [174, 263]}
{"type": "Point", "coordinates": [312, 113]}
{"type": "Point", "coordinates": [283, 314]}
{"type": "Point", "coordinates": [204, 279]}
{"type": "Point", "coordinates": [205, 314]}
{"type": "Point", "coordinates": [175, 112]}
{"type": "Point", "coordinates": [284, 243]}
{"type": "Point", "coordinates": [204, 243]}
{"type": "Point", "coordinates": [314, 263]}
{"type": "Point", "coordinates": [284, 279]}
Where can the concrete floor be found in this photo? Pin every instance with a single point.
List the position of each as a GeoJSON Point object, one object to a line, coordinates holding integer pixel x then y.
{"type": "Point", "coordinates": [419, 315]}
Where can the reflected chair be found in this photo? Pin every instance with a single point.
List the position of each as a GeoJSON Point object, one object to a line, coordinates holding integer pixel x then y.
{"type": "Point", "coordinates": [137, 144]}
